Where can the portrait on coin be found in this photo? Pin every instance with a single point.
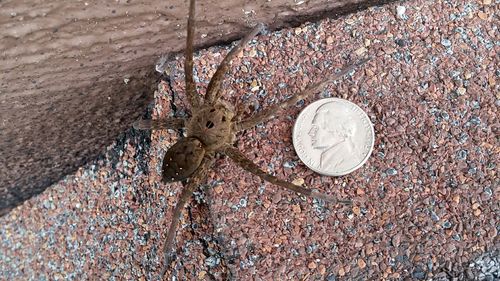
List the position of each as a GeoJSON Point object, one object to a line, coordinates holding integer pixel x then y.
{"type": "Point", "coordinates": [331, 132]}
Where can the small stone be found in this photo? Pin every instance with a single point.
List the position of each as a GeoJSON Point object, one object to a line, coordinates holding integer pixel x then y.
{"type": "Point", "coordinates": [447, 225]}
{"type": "Point", "coordinates": [254, 86]}
{"type": "Point", "coordinates": [396, 240]}
{"type": "Point", "coordinates": [492, 81]}
{"type": "Point", "coordinates": [296, 209]}
{"type": "Point", "coordinates": [312, 265]}
{"type": "Point", "coordinates": [252, 53]}
{"type": "Point", "coordinates": [482, 15]}
{"type": "Point", "coordinates": [276, 198]}
{"type": "Point", "coordinates": [468, 75]}
{"type": "Point", "coordinates": [389, 51]}
{"type": "Point", "coordinates": [461, 91]}
{"type": "Point", "coordinates": [298, 181]}
{"type": "Point", "coordinates": [486, 2]}
{"type": "Point", "coordinates": [368, 42]}
{"type": "Point", "coordinates": [392, 172]}
{"type": "Point", "coordinates": [329, 40]}
{"type": "Point", "coordinates": [298, 31]}
{"type": "Point", "coordinates": [418, 274]}
{"type": "Point", "coordinates": [475, 206]}
{"type": "Point", "coordinates": [361, 263]}
{"type": "Point", "coordinates": [456, 199]}
{"type": "Point", "coordinates": [341, 271]}
{"type": "Point", "coordinates": [266, 204]}
{"type": "Point", "coordinates": [360, 51]}
{"type": "Point", "coordinates": [244, 69]}
{"type": "Point", "coordinates": [477, 212]}
{"type": "Point", "coordinates": [401, 12]}
{"type": "Point", "coordinates": [350, 21]}
{"type": "Point", "coordinates": [201, 275]}
{"type": "Point", "coordinates": [360, 191]}
{"type": "Point", "coordinates": [446, 42]}
{"type": "Point", "coordinates": [322, 269]}
{"type": "Point", "coordinates": [356, 210]}
{"type": "Point", "coordinates": [218, 189]}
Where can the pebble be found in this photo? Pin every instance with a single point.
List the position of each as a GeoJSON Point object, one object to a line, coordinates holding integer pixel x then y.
{"type": "Point", "coordinates": [467, 75]}
{"type": "Point", "coordinates": [296, 209]}
{"type": "Point", "coordinates": [418, 274]}
{"type": "Point", "coordinates": [482, 15]}
{"type": "Point", "coordinates": [360, 51]}
{"type": "Point", "coordinates": [350, 21]}
{"type": "Point", "coordinates": [445, 42]}
{"type": "Point", "coordinates": [361, 263]}
{"type": "Point", "coordinates": [201, 275]}
{"type": "Point", "coordinates": [298, 181]}
{"type": "Point", "coordinates": [341, 271]}
{"type": "Point", "coordinates": [392, 172]}
{"type": "Point", "coordinates": [401, 12]}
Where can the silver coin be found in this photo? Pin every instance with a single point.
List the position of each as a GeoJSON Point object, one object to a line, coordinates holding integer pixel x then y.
{"type": "Point", "coordinates": [333, 136]}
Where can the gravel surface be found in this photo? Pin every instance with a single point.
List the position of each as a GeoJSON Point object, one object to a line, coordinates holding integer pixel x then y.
{"type": "Point", "coordinates": [426, 201]}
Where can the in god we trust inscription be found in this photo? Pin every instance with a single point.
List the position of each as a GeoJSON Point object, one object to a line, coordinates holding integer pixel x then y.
{"type": "Point", "coordinates": [333, 136]}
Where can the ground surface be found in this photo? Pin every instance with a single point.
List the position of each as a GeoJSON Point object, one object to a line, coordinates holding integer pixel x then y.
{"type": "Point", "coordinates": [426, 201]}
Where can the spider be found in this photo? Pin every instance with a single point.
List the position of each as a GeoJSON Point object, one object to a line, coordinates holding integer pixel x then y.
{"type": "Point", "coordinates": [212, 129]}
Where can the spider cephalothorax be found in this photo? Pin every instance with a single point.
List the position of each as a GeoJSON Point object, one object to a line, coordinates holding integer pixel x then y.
{"type": "Point", "coordinates": [212, 129]}
{"type": "Point", "coordinates": [212, 125]}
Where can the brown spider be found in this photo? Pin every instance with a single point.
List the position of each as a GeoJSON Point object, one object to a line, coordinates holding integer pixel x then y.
{"type": "Point", "coordinates": [212, 129]}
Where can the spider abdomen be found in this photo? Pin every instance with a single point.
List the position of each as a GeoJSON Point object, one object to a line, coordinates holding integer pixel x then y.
{"type": "Point", "coordinates": [182, 159]}
{"type": "Point", "coordinates": [212, 125]}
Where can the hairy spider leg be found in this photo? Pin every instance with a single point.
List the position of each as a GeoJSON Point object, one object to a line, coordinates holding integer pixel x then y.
{"type": "Point", "coordinates": [214, 89]}
{"type": "Point", "coordinates": [274, 110]}
{"type": "Point", "coordinates": [191, 93]}
{"type": "Point", "coordinates": [251, 167]}
{"type": "Point", "coordinates": [195, 180]}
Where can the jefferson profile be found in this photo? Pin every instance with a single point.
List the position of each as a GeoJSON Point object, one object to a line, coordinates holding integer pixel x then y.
{"type": "Point", "coordinates": [332, 132]}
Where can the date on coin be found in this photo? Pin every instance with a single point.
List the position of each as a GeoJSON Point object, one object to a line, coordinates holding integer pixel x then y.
{"type": "Point", "coordinates": [333, 136]}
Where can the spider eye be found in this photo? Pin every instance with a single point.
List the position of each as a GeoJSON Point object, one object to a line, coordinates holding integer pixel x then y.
{"type": "Point", "coordinates": [209, 124]}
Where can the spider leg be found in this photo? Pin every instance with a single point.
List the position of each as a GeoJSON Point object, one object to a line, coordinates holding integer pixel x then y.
{"type": "Point", "coordinates": [191, 93]}
{"type": "Point", "coordinates": [168, 123]}
{"type": "Point", "coordinates": [214, 87]}
{"type": "Point", "coordinates": [194, 182]}
{"type": "Point", "coordinates": [251, 167]}
{"type": "Point", "coordinates": [272, 111]}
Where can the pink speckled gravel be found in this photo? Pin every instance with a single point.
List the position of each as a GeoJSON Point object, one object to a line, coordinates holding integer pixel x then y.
{"type": "Point", "coordinates": [426, 201]}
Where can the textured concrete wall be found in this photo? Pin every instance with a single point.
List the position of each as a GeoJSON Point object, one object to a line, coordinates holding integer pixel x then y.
{"type": "Point", "coordinates": [63, 66]}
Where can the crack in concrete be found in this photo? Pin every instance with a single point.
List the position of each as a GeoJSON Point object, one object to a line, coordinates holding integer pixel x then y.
{"type": "Point", "coordinates": [217, 250]}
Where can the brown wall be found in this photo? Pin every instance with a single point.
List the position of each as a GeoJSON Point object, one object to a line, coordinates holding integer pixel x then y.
{"type": "Point", "coordinates": [63, 65]}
